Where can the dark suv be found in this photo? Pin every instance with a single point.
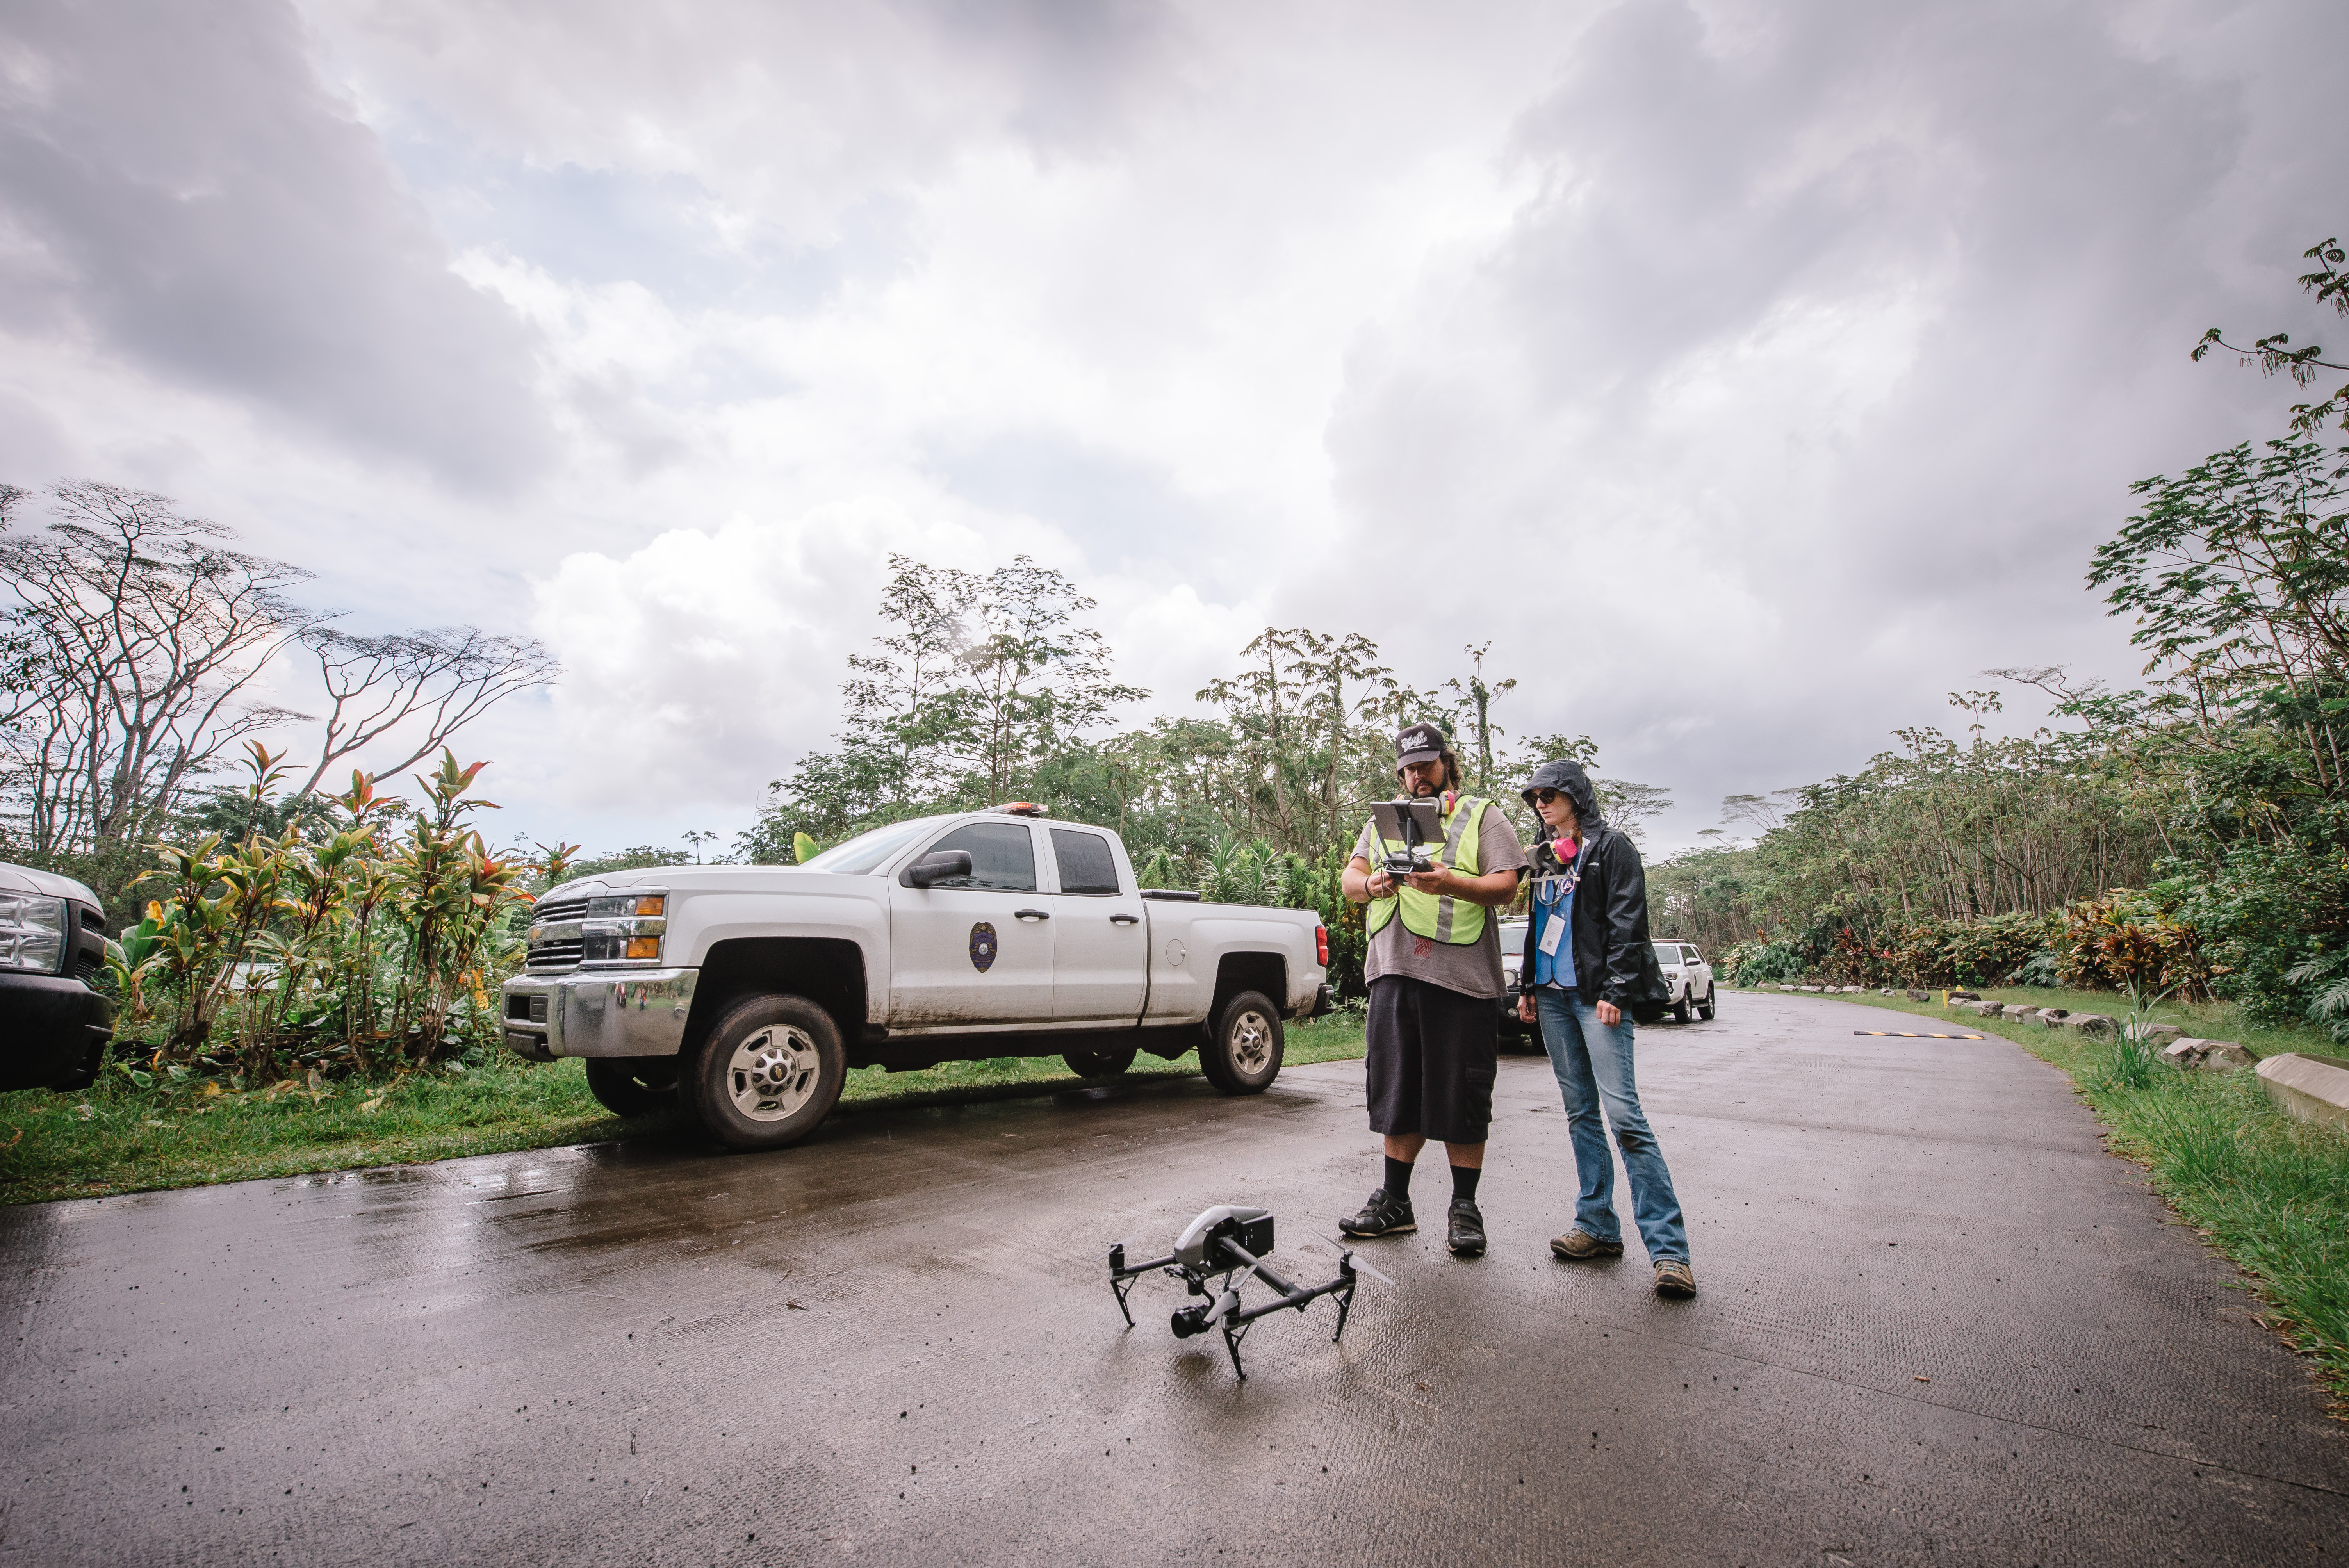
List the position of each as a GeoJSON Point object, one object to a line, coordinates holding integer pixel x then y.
{"type": "Point", "coordinates": [52, 1027]}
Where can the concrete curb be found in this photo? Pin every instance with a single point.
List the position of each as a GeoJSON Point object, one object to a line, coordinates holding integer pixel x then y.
{"type": "Point", "coordinates": [2313, 1089]}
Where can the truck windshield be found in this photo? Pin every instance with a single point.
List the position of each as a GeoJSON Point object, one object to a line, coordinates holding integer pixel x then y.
{"type": "Point", "coordinates": [863, 852]}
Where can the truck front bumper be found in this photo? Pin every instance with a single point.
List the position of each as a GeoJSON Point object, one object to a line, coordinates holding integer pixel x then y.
{"type": "Point", "coordinates": [598, 1013]}
{"type": "Point", "coordinates": [55, 1027]}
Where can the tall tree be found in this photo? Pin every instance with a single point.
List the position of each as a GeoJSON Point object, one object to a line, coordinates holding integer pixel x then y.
{"type": "Point", "coordinates": [976, 682]}
{"type": "Point", "coordinates": [1344, 679]}
{"type": "Point", "coordinates": [2275, 356]}
{"type": "Point", "coordinates": [1033, 676]}
{"type": "Point", "coordinates": [136, 633]}
{"type": "Point", "coordinates": [2237, 573]}
{"type": "Point", "coordinates": [1473, 702]}
{"type": "Point", "coordinates": [900, 706]}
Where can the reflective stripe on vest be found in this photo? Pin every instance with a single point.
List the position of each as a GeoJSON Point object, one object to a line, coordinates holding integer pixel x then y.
{"type": "Point", "coordinates": [1440, 917]}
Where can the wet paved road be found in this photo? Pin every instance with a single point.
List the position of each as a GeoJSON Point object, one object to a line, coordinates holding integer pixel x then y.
{"type": "Point", "coordinates": [894, 1344]}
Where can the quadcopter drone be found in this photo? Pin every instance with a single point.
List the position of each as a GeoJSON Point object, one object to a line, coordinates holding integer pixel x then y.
{"type": "Point", "coordinates": [1224, 1241]}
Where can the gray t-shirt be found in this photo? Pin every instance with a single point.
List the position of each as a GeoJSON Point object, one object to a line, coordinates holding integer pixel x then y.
{"type": "Point", "coordinates": [1470, 968]}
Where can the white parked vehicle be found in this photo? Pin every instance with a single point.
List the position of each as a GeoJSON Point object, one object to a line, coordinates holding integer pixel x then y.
{"type": "Point", "coordinates": [1513, 953]}
{"type": "Point", "coordinates": [751, 991]}
{"type": "Point", "coordinates": [1690, 977]}
{"type": "Point", "coordinates": [1687, 974]}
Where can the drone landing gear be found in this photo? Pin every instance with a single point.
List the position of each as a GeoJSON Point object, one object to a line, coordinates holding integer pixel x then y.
{"type": "Point", "coordinates": [1217, 1248]}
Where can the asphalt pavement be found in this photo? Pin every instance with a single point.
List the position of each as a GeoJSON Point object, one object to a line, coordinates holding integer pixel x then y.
{"type": "Point", "coordinates": [1938, 1323]}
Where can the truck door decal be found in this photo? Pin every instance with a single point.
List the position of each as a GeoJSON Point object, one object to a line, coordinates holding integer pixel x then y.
{"type": "Point", "coordinates": [982, 946]}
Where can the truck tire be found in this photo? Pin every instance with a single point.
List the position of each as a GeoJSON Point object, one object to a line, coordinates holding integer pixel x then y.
{"type": "Point", "coordinates": [1098, 1064]}
{"type": "Point", "coordinates": [1241, 1054]}
{"type": "Point", "coordinates": [769, 1074]}
{"type": "Point", "coordinates": [1704, 1008]}
{"type": "Point", "coordinates": [631, 1086]}
{"type": "Point", "coordinates": [1681, 1007]}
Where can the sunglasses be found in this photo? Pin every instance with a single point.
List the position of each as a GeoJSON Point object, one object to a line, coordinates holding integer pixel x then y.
{"type": "Point", "coordinates": [1542, 797]}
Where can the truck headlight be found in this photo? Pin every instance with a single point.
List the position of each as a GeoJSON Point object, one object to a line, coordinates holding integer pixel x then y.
{"type": "Point", "coordinates": [642, 905]}
{"type": "Point", "coordinates": [33, 932]}
{"type": "Point", "coordinates": [621, 942]}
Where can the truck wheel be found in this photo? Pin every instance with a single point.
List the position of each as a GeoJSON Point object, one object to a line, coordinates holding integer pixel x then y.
{"type": "Point", "coordinates": [631, 1086]}
{"type": "Point", "coordinates": [1242, 1056]}
{"type": "Point", "coordinates": [1681, 1007]}
{"type": "Point", "coordinates": [1704, 1008]}
{"type": "Point", "coordinates": [1098, 1064]}
{"type": "Point", "coordinates": [768, 1075]}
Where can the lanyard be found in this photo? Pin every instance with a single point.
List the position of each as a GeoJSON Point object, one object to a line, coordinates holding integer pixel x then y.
{"type": "Point", "coordinates": [1553, 891]}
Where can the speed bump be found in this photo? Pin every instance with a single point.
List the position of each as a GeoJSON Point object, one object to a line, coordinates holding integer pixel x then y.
{"type": "Point", "coordinates": [1908, 1035]}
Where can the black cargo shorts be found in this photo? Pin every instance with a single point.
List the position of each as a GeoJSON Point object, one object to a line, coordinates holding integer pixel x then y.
{"type": "Point", "coordinates": [1430, 1054]}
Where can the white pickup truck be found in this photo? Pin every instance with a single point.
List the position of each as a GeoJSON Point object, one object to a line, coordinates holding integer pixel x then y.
{"type": "Point", "coordinates": [751, 991]}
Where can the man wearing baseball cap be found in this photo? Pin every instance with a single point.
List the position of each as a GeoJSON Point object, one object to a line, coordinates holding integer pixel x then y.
{"type": "Point", "coordinates": [1435, 974]}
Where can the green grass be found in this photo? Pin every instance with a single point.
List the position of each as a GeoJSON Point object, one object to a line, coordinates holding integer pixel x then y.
{"type": "Point", "coordinates": [2270, 1193]}
{"type": "Point", "coordinates": [2209, 1020]}
{"type": "Point", "coordinates": [120, 1139]}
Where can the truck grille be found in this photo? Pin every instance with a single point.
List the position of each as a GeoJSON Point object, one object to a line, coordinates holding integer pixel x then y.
{"type": "Point", "coordinates": [551, 956]}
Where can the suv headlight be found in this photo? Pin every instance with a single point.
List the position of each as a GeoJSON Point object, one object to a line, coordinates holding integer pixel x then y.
{"type": "Point", "coordinates": [33, 932]}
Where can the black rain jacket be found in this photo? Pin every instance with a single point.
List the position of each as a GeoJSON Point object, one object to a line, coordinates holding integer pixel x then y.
{"type": "Point", "coordinates": [1613, 959]}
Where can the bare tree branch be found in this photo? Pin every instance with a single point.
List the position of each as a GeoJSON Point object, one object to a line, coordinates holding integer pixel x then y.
{"type": "Point", "coordinates": [136, 629]}
{"type": "Point", "coordinates": [441, 679]}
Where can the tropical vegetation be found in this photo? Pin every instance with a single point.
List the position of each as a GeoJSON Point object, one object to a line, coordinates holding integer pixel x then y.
{"type": "Point", "coordinates": [2192, 835]}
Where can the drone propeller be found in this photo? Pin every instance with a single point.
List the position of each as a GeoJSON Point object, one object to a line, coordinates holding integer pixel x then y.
{"type": "Point", "coordinates": [1358, 1261]}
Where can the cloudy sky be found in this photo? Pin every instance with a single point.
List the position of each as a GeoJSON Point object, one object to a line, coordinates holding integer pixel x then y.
{"type": "Point", "coordinates": [1750, 375]}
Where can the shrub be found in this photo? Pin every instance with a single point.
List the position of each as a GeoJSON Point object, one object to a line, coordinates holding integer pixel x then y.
{"type": "Point", "coordinates": [2269, 908]}
{"type": "Point", "coordinates": [1967, 952]}
{"type": "Point", "coordinates": [379, 943]}
{"type": "Point", "coordinates": [1764, 962]}
{"type": "Point", "coordinates": [2125, 938]}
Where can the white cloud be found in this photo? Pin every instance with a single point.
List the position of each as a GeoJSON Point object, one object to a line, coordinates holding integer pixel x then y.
{"type": "Point", "coordinates": [1750, 375]}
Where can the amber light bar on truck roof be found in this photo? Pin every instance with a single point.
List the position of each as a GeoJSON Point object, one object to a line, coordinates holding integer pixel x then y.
{"type": "Point", "coordinates": [1021, 809]}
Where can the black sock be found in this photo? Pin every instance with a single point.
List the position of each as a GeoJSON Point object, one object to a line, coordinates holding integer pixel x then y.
{"type": "Point", "coordinates": [1464, 1182]}
{"type": "Point", "coordinates": [1398, 1182]}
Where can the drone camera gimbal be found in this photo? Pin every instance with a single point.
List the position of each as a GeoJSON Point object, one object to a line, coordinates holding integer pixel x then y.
{"type": "Point", "coordinates": [1224, 1245]}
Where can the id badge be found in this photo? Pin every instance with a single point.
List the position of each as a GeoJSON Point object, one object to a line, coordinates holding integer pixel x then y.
{"type": "Point", "coordinates": [1552, 930]}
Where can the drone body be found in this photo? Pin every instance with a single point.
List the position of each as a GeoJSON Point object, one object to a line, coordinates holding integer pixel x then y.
{"type": "Point", "coordinates": [1224, 1245]}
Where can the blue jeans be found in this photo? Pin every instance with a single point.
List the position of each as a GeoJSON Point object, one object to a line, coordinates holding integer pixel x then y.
{"type": "Point", "coordinates": [1593, 1064]}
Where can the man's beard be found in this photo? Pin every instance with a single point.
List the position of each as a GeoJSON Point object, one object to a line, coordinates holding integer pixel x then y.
{"type": "Point", "coordinates": [1425, 786]}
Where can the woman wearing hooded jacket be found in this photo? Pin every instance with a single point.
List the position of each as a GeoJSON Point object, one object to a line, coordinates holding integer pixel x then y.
{"type": "Point", "coordinates": [1587, 957]}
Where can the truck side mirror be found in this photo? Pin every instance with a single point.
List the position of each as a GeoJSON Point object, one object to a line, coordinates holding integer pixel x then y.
{"type": "Point", "coordinates": [941, 866]}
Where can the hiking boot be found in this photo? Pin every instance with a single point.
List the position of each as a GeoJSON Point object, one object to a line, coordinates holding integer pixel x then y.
{"type": "Point", "coordinates": [1579, 1243]}
{"type": "Point", "coordinates": [1464, 1229]}
{"type": "Point", "coordinates": [1674, 1279]}
{"type": "Point", "coordinates": [1381, 1216]}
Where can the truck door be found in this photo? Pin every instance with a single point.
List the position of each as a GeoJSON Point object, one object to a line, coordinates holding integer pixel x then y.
{"type": "Point", "coordinates": [978, 949]}
{"type": "Point", "coordinates": [1100, 940]}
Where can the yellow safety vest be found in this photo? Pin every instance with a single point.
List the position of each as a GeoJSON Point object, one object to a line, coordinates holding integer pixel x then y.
{"type": "Point", "coordinates": [1440, 917]}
